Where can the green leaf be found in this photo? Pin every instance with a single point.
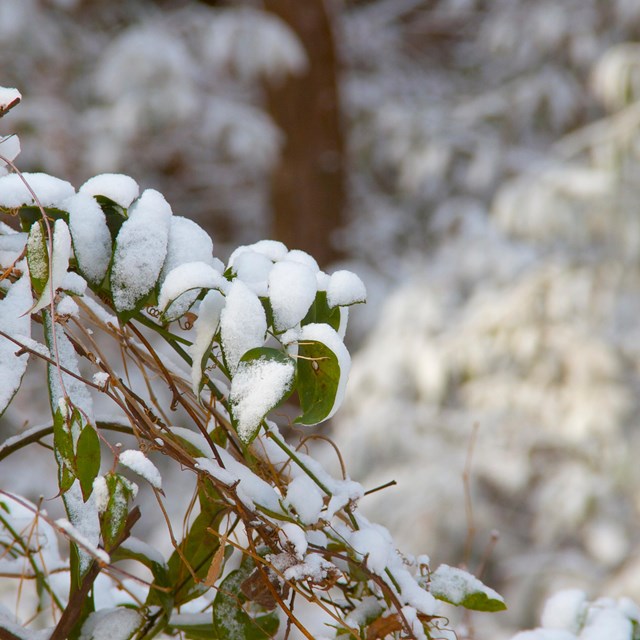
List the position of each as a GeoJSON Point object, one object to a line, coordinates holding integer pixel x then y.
{"type": "Point", "coordinates": [87, 459]}
{"type": "Point", "coordinates": [461, 589]}
{"type": "Point", "coordinates": [38, 257]}
{"type": "Point", "coordinates": [264, 379]}
{"type": "Point", "coordinates": [321, 313]}
{"type": "Point", "coordinates": [318, 381]}
{"type": "Point", "coordinates": [114, 518]}
{"type": "Point", "coordinates": [230, 620]}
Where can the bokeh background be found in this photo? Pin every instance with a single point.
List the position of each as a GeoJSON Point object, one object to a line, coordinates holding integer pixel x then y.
{"type": "Point", "coordinates": [477, 162]}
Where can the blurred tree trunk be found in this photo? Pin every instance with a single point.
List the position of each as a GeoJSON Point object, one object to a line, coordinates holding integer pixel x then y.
{"type": "Point", "coordinates": [308, 185]}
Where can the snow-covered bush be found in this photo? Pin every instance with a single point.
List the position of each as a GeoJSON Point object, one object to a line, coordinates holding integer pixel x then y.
{"type": "Point", "coordinates": [126, 305]}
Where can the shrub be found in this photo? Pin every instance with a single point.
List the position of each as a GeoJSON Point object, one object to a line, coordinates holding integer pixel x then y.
{"type": "Point", "coordinates": [113, 280]}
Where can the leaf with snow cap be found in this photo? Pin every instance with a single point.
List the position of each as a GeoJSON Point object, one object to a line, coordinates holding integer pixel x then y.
{"type": "Point", "coordinates": [141, 247]}
{"type": "Point", "coordinates": [39, 260]}
{"type": "Point", "coordinates": [182, 286]}
{"type": "Point", "coordinates": [90, 236]}
{"type": "Point", "coordinates": [264, 378]}
{"type": "Point", "coordinates": [323, 368]}
{"type": "Point", "coordinates": [113, 497]}
{"type": "Point", "coordinates": [292, 290]}
{"type": "Point", "coordinates": [460, 588]}
{"type": "Point", "coordinates": [243, 323]}
{"type": "Point", "coordinates": [345, 288]}
{"type": "Point", "coordinates": [205, 327]}
{"type": "Point", "coordinates": [15, 321]}
{"type": "Point", "coordinates": [118, 188]}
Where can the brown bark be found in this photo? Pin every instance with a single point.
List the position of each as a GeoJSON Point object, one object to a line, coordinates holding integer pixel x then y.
{"type": "Point", "coordinates": [308, 185]}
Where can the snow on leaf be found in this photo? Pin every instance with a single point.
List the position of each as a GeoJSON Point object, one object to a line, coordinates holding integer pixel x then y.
{"type": "Point", "coordinates": [120, 188]}
{"type": "Point", "coordinates": [187, 278]}
{"type": "Point", "coordinates": [460, 588]}
{"type": "Point", "coordinates": [141, 247]}
{"type": "Point", "coordinates": [49, 191]}
{"type": "Point", "coordinates": [119, 623]}
{"type": "Point", "coordinates": [188, 242]}
{"type": "Point", "coordinates": [140, 464]}
{"type": "Point", "coordinates": [263, 379]}
{"type": "Point", "coordinates": [205, 328]}
{"type": "Point", "coordinates": [243, 324]}
{"type": "Point", "coordinates": [272, 249]}
{"type": "Point", "coordinates": [90, 235]}
{"type": "Point", "coordinates": [14, 321]}
{"type": "Point", "coordinates": [345, 288]}
{"type": "Point", "coordinates": [63, 385]}
{"type": "Point", "coordinates": [292, 290]}
{"type": "Point", "coordinates": [59, 264]}
{"type": "Point", "coordinates": [253, 269]}
{"type": "Point", "coordinates": [9, 97]}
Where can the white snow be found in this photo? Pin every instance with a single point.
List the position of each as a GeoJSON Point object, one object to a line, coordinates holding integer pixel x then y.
{"type": "Point", "coordinates": [251, 489]}
{"type": "Point", "coordinates": [292, 534]}
{"type": "Point", "coordinates": [67, 307]}
{"type": "Point", "coordinates": [376, 545]}
{"type": "Point", "coordinates": [141, 247]}
{"type": "Point", "coordinates": [8, 95]}
{"type": "Point", "coordinates": [49, 191]}
{"type": "Point", "coordinates": [120, 188]}
{"type": "Point", "coordinates": [74, 284]}
{"type": "Point", "coordinates": [90, 235]}
{"type": "Point", "coordinates": [77, 536]}
{"type": "Point", "coordinates": [272, 249]}
{"type": "Point", "coordinates": [345, 288]}
{"type": "Point", "coordinates": [564, 610]}
{"type": "Point", "coordinates": [253, 269]}
{"type": "Point", "coordinates": [75, 389]}
{"type": "Point", "coordinates": [194, 438]}
{"type": "Point", "coordinates": [205, 328]}
{"type": "Point", "coordinates": [243, 323]}
{"type": "Point", "coordinates": [321, 332]}
{"type": "Point", "coordinates": [292, 290]}
{"type": "Point", "coordinates": [84, 518]}
{"type": "Point", "coordinates": [111, 624]}
{"type": "Point", "coordinates": [257, 386]}
{"type": "Point", "coordinates": [188, 242]}
{"type": "Point", "coordinates": [135, 545]}
{"type": "Point", "coordinates": [606, 622]}
{"type": "Point", "coordinates": [140, 464]}
{"type": "Point", "coordinates": [14, 321]}
{"type": "Point", "coordinates": [59, 263]}
{"type": "Point", "coordinates": [455, 584]}
{"type": "Point", "coordinates": [101, 494]}
{"type": "Point", "coordinates": [544, 634]}
{"type": "Point", "coordinates": [185, 277]}
{"type": "Point", "coordinates": [100, 378]}
{"type": "Point", "coordinates": [9, 149]}
{"type": "Point", "coordinates": [11, 246]}
{"type": "Point", "coordinates": [302, 257]}
{"type": "Point", "coordinates": [305, 497]}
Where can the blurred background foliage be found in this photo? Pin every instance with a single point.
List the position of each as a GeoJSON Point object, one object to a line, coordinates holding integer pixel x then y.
{"type": "Point", "coordinates": [476, 161]}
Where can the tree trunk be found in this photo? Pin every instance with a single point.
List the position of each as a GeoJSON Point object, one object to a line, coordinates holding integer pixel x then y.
{"type": "Point", "coordinates": [308, 185]}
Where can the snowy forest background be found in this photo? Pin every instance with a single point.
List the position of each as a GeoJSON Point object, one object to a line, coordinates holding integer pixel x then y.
{"type": "Point", "coordinates": [476, 163]}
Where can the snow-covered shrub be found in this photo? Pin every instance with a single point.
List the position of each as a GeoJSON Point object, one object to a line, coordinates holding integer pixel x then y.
{"type": "Point", "coordinates": [113, 281]}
